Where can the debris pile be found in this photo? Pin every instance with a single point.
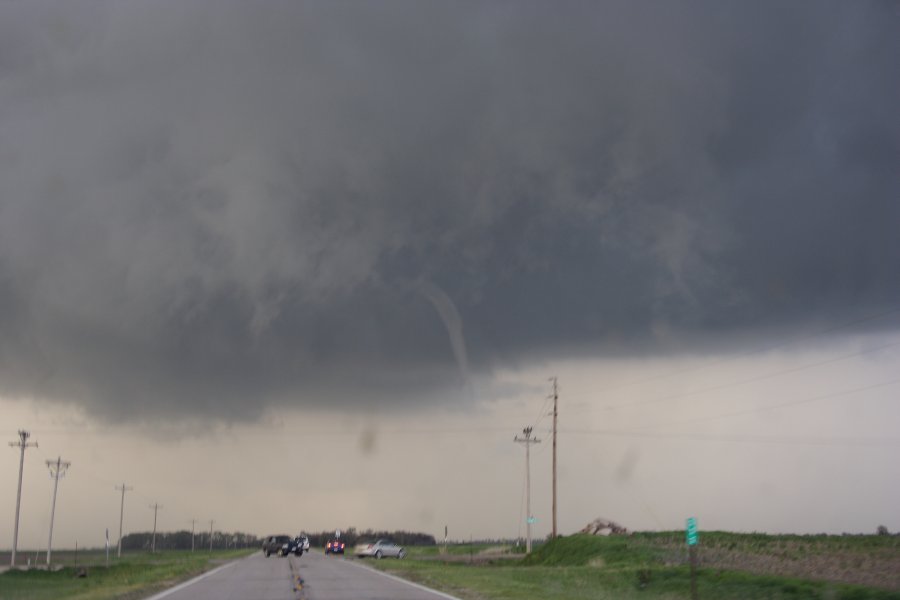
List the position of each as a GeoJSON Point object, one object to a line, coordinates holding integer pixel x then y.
{"type": "Point", "coordinates": [604, 527]}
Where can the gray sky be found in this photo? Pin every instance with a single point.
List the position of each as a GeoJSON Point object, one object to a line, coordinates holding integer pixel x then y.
{"type": "Point", "coordinates": [217, 214]}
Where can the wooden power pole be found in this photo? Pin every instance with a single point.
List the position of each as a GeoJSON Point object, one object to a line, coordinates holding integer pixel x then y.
{"type": "Point", "coordinates": [57, 470]}
{"type": "Point", "coordinates": [555, 414]}
{"type": "Point", "coordinates": [155, 506]}
{"type": "Point", "coordinates": [123, 489]}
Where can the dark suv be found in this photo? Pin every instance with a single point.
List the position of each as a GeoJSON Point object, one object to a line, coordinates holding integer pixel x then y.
{"type": "Point", "coordinates": [282, 545]}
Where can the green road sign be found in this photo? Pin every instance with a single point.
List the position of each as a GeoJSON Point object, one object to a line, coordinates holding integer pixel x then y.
{"type": "Point", "coordinates": [692, 535]}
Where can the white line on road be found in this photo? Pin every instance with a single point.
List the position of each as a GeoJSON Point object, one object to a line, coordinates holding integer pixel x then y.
{"type": "Point", "coordinates": [181, 586]}
{"type": "Point", "coordinates": [401, 580]}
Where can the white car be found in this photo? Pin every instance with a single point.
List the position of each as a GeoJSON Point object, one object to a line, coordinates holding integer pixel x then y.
{"type": "Point", "coordinates": [380, 549]}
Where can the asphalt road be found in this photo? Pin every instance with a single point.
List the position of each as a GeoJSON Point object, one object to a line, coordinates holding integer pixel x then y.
{"type": "Point", "coordinates": [312, 576]}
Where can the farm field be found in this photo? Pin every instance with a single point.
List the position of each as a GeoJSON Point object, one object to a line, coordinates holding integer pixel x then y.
{"type": "Point", "coordinates": [871, 560]}
{"type": "Point", "coordinates": [135, 575]}
{"type": "Point", "coordinates": [654, 565]}
{"type": "Point", "coordinates": [579, 567]}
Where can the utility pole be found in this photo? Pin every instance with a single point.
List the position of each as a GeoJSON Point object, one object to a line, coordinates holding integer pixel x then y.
{"type": "Point", "coordinates": [124, 489]}
{"type": "Point", "coordinates": [555, 414]}
{"type": "Point", "coordinates": [193, 522]}
{"type": "Point", "coordinates": [527, 441]}
{"type": "Point", "coordinates": [22, 444]}
{"type": "Point", "coordinates": [57, 470]}
{"type": "Point", "coordinates": [210, 534]}
{"type": "Point", "coordinates": [155, 506]}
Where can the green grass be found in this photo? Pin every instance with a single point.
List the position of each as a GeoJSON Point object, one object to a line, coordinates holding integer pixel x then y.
{"type": "Point", "coordinates": [579, 550]}
{"type": "Point", "coordinates": [498, 582]}
{"type": "Point", "coordinates": [579, 567]}
{"type": "Point", "coordinates": [583, 567]}
{"type": "Point", "coordinates": [132, 576]}
{"type": "Point", "coordinates": [460, 549]}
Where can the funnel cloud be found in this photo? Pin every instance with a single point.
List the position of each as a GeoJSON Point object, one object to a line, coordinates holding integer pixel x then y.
{"type": "Point", "coordinates": [210, 209]}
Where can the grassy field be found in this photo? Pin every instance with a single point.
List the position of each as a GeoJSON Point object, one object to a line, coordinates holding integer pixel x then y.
{"type": "Point", "coordinates": [476, 552]}
{"type": "Point", "coordinates": [135, 575]}
{"type": "Point", "coordinates": [579, 567]}
{"type": "Point", "coordinates": [651, 566]}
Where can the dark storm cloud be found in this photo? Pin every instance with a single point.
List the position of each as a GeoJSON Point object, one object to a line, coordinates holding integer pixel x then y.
{"type": "Point", "coordinates": [208, 208]}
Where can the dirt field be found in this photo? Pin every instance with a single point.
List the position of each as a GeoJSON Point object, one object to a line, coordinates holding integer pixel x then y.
{"type": "Point", "coordinates": [859, 559]}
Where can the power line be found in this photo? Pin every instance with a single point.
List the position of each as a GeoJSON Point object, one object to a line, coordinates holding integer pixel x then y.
{"type": "Point", "coordinates": [751, 379]}
{"type": "Point", "coordinates": [783, 344]}
{"type": "Point", "coordinates": [543, 413]}
{"type": "Point", "coordinates": [87, 472]}
{"type": "Point", "coordinates": [741, 438]}
{"type": "Point", "coordinates": [547, 431]}
{"type": "Point", "coordinates": [787, 404]}
{"type": "Point", "coordinates": [817, 441]}
{"type": "Point", "coordinates": [392, 431]}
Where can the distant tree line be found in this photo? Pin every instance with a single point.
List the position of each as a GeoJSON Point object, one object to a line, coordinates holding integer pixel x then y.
{"type": "Point", "coordinates": [181, 540]}
{"type": "Point", "coordinates": [351, 537]}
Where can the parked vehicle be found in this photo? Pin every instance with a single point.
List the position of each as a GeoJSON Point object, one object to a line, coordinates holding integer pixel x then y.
{"type": "Point", "coordinates": [334, 546]}
{"type": "Point", "coordinates": [380, 549]}
{"type": "Point", "coordinates": [303, 541]}
{"type": "Point", "coordinates": [277, 544]}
